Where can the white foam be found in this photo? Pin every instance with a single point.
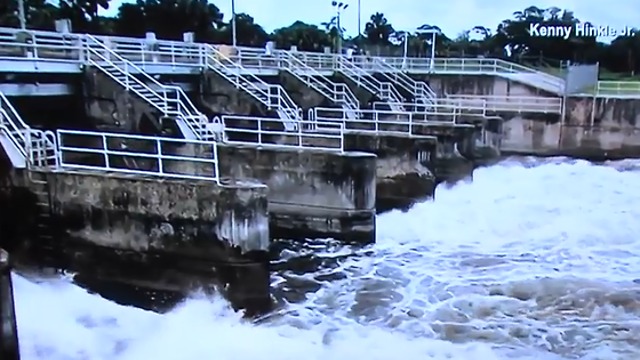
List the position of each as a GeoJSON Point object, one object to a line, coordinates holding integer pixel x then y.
{"type": "Point", "coordinates": [529, 261]}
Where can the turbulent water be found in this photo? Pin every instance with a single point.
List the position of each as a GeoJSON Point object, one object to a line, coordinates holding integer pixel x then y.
{"type": "Point", "coordinates": [532, 260]}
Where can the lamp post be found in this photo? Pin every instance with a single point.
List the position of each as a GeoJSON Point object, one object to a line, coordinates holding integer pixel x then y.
{"type": "Point", "coordinates": [234, 35]}
{"type": "Point", "coordinates": [405, 49]}
{"type": "Point", "coordinates": [433, 32]}
{"type": "Point", "coordinates": [359, 20]}
{"type": "Point", "coordinates": [21, 15]}
{"type": "Point", "coordinates": [339, 7]}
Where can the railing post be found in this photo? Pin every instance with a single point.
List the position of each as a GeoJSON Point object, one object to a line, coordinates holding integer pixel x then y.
{"type": "Point", "coordinates": [126, 78]}
{"type": "Point", "coordinates": [216, 165]}
{"type": "Point", "coordinates": [160, 157]}
{"type": "Point", "coordinates": [105, 148]}
{"type": "Point", "coordinates": [143, 52]}
{"type": "Point", "coordinates": [35, 47]}
{"type": "Point", "coordinates": [299, 135]}
{"type": "Point", "coordinates": [260, 132]}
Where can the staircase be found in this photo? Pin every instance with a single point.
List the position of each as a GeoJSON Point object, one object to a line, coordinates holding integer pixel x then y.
{"type": "Point", "coordinates": [383, 90]}
{"type": "Point", "coordinates": [336, 92]}
{"type": "Point", "coordinates": [25, 147]}
{"type": "Point", "coordinates": [170, 101]}
{"type": "Point", "coordinates": [274, 97]}
{"type": "Point", "coordinates": [419, 90]}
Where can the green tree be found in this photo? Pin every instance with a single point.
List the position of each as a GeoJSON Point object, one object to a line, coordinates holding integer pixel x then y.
{"type": "Point", "coordinates": [306, 37]}
{"type": "Point", "coordinates": [39, 14]}
{"type": "Point", "coordinates": [169, 19]}
{"type": "Point", "coordinates": [377, 30]}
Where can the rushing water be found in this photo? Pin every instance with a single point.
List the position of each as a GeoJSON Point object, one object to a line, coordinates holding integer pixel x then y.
{"type": "Point", "coordinates": [535, 259]}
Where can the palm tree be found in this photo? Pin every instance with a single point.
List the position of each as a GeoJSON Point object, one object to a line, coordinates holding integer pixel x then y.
{"type": "Point", "coordinates": [378, 30]}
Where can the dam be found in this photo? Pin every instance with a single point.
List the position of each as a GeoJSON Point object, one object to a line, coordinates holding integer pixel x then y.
{"type": "Point", "coordinates": [195, 158]}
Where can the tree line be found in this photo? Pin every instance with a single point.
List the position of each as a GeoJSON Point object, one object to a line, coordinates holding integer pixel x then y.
{"type": "Point", "coordinates": [169, 19]}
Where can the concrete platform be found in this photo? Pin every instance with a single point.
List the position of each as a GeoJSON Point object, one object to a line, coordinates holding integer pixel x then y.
{"type": "Point", "coordinates": [312, 194]}
{"type": "Point", "coordinates": [219, 230]}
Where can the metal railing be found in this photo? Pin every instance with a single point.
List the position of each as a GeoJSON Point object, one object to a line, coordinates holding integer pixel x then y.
{"type": "Point", "coordinates": [151, 156]}
{"type": "Point", "coordinates": [480, 66]}
{"type": "Point", "coordinates": [385, 122]}
{"type": "Point", "coordinates": [419, 90]}
{"type": "Point", "coordinates": [36, 147]}
{"type": "Point", "coordinates": [272, 96]}
{"type": "Point", "coordinates": [336, 92]}
{"type": "Point", "coordinates": [143, 53]}
{"type": "Point", "coordinates": [441, 111]}
{"type": "Point", "coordinates": [169, 100]}
{"type": "Point", "coordinates": [358, 71]}
{"type": "Point", "coordinates": [628, 89]}
{"type": "Point", "coordinates": [501, 103]}
{"type": "Point", "coordinates": [54, 46]}
{"type": "Point", "coordinates": [17, 44]}
{"type": "Point", "coordinates": [261, 132]}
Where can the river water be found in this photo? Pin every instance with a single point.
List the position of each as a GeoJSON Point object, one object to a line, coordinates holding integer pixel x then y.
{"type": "Point", "coordinates": [534, 259]}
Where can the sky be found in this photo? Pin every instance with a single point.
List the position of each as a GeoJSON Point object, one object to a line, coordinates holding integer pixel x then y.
{"type": "Point", "coordinates": [452, 16]}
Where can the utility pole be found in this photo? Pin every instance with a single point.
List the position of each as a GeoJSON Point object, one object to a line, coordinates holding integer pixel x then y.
{"type": "Point", "coordinates": [359, 21]}
{"type": "Point", "coordinates": [21, 15]}
{"type": "Point", "coordinates": [233, 23]}
{"type": "Point", "coordinates": [339, 6]}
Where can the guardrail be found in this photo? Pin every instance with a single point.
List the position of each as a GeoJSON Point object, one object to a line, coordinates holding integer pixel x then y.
{"type": "Point", "coordinates": [380, 122]}
{"type": "Point", "coordinates": [265, 132]}
{"type": "Point", "coordinates": [519, 104]}
{"type": "Point", "coordinates": [66, 47]}
{"type": "Point", "coordinates": [436, 112]}
{"type": "Point", "coordinates": [152, 156]}
{"type": "Point", "coordinates": [618, 88]}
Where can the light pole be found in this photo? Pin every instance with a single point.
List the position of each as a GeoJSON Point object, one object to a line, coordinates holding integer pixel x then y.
{"type": "Point", "coordinates": [406, 49]}
{"type": "Point", "coordinates": [234, 34]}
{"type": "Point", "coordinates": [359, 20]}
{"type": "Point", "coordinates": [339, 6]}
{"type": "Point", "coordinates": [433, 33]}
{"type": "Point", "coordinates": [21, 15]}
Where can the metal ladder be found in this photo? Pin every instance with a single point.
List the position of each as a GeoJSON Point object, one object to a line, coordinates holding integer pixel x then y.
{"type": "Point", "coordinates": [337, 92]}
{"type": "Point", "coordinates": [171, 101]}
{"type": "Point", "coordinates": [384, 90]}
{"type": "Point", "coordinates": [274, 97]}
{"type": "Point", "coordinates": [419, 90]}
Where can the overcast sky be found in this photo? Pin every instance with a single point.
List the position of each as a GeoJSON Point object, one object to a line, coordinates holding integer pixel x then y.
{"type": "Point", "coordinates": [452, 16]}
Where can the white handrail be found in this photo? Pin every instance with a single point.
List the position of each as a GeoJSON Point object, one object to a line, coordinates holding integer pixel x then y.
{"type": "Point", "coordinates": [126, 71]}
{"type": "Point", "coordinates": [337, 92]}
{"type": "Point", "coordinates": [161, 160]}
{"type": "Point", "coordinates": [269, 94]}
{"type": "Point", "coordinates": [184, 107]}
{"type": "Point", "coordinates": [537, 104]}
{"type": "Point", "coordinates": [310, 135]}
{"type": "Point", "coordinates": [419, 89]}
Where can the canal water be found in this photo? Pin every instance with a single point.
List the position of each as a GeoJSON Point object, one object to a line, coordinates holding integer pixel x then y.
{"type": "Point", "coordinates": [534, 259]}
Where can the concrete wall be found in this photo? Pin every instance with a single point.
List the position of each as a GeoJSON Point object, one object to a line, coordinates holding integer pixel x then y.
{"type": "Point", "coordinates": [402, 173]}
{"type": "Point", "coordinates": [599, 128]}
{"type": "Point", "coordinates": [218, 232]}
{"type": "Point", "coordinates": [184, 217]}
{"type": "Point", "coordinates": [607, 130]}
{"type": "Point", "coordinates": [311, 193]}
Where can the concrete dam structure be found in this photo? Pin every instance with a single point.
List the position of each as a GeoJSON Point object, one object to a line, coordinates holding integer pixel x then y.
{"type": "Point", "coordinates": [122, 156]}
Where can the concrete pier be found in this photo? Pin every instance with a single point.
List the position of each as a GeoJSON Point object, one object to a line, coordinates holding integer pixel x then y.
{"type": "Point", "coordinates": [402, 176]}
{"type": "Point", "coordinates": [9, 349]}
{"type": "Point", "coordinates": [312, 193]}
{"type": "Point", "coordinates": [194, 225]}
